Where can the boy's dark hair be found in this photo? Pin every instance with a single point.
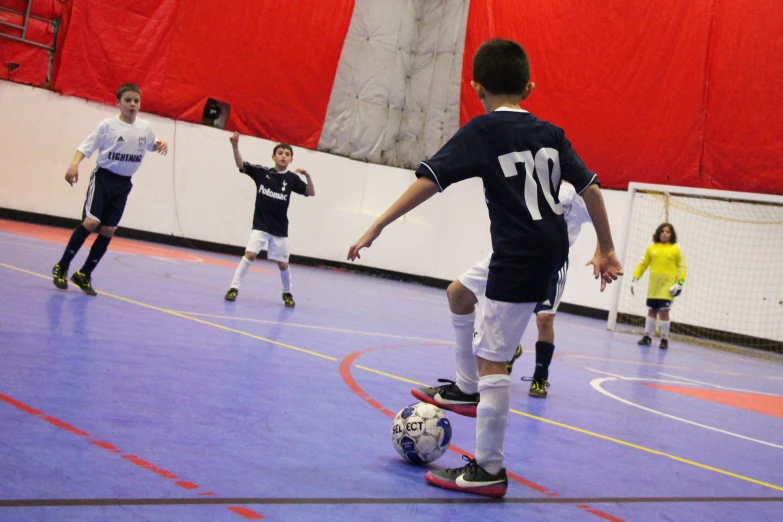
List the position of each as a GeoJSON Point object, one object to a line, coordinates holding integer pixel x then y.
{"type": "Point", "coordinates": [501, 67]}
{"type": "Point", "coordinates": [283, 146]}
{"type": "Point", "coordinates": [657, 235]}
{"type": "Point", "coordinates": [125, 87]}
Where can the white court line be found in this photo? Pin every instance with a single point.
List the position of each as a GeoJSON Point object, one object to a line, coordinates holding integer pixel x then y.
{"type": "Point", "coordinates": [719, 386]}
{"type": "Point", "coordinates": [596, 384]}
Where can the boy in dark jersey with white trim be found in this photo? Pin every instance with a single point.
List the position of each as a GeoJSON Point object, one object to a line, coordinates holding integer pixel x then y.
{"type": "Point", "coordinates": [121, 143]}
{"type": "Point", "coordinates": [521, 160]}
{"type": "Point", "coordinates": [270, 219]}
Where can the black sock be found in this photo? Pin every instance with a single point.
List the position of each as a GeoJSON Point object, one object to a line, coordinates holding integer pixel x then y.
{"type": "Point", "coordinates": [74, 244]}
{"type": "Point", "coordinates": [96, 253]}
{"type": "Point", "coordinates": [544, 353]}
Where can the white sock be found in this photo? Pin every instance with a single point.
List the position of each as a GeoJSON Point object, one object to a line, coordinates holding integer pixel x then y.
{"type": "Point", "coordinates": [649, 326]}
{"type": "Point", "coordinates": [244, 265]}
{"type": "Point", "coordinates": [467, 366]}
{"type": "Point", "coordinates": [491, 421]}
{"type": "Point", "coordinates": [665, 325]}
{"type": "Point", "coordinates": [285, 276]}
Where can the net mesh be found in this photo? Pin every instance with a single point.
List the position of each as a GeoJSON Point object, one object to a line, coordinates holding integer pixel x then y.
{"type": "Point", "coordinates": [734, 251]}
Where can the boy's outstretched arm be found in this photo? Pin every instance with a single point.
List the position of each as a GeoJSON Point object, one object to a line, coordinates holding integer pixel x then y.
{"type": "Point", "coordinates": [421, 190]}
{"type": "Point", "coordinates": [72, 174]}
{"type": "Point", "coordinates": [606, 265]}
{"type": "Point", "coordinates": [234, 139]}
{"type": "Point", "coordinates": [310, 192]}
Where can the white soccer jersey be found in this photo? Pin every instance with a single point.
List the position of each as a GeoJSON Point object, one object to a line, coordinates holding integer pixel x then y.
{"type": "Point", "coordinates": [574, 211]}
{"type": "Point", "coordinates": [121, 146]}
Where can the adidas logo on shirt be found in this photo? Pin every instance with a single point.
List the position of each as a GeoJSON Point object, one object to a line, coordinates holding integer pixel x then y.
{"type": "Point", "coordinates": [120, 140]}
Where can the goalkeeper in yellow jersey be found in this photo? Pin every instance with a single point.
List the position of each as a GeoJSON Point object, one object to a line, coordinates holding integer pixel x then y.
{"type": "Point", "coordinates": [667, 277]}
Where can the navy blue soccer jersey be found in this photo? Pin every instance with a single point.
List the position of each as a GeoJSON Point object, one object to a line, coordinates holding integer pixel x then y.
{"type": "Point", "coordinates": [521, 161]}
{"type": "Point", "coordinates": [273, 195]}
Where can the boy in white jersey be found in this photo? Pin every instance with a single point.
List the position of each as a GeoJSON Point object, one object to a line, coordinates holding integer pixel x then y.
{"type": "Point", "coordinates": [463, 295]}
{"type": "Point", "coordinates": [270, 218]}
{"type": "Point", "coordinates": [121, 143]}
{"type": "Point", "coordinates": [506, 147]}
{"type": "Point", "coordinates": [667, 277]}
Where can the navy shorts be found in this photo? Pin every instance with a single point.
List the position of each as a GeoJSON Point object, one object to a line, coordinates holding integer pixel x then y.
{"type": "Point", "coordinates": [106, 197]}
{"type": "Point", "coordinates": [659, 304]}
{"type": "Point", "coordinates": [556, 285]}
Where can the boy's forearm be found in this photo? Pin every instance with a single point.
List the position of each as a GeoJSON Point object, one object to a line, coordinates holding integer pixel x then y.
{"type": "Point", "coordinates": [238, 157]}
{"type": "Point", "coordinates": [421, 190]}
{"type": "Point", "coordinates": [597, 210]}
{"type": "Point", "coordinates": [77, 158]}
{"type": "Point", "coordinates": [310, 187]}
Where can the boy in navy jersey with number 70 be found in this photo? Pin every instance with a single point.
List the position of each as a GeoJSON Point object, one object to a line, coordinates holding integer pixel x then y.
{"type": "Point", "coordinates": [521, 161]}
{"type": "Point", "coordinates": [121, 143]}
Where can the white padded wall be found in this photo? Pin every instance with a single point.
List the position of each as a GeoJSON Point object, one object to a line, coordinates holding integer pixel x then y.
{"type": "Point", "coordinates": [395, 99]}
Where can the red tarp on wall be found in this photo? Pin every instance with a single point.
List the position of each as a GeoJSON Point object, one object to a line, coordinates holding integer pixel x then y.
{"type": "Point", "coordinates": [19, 61]}
{"type": "Point", "coordinates": [743, 139]}
{"type": "Point", "coordinates": [624, 79]}
{"type": "Point", "coordinates": [275, 64]}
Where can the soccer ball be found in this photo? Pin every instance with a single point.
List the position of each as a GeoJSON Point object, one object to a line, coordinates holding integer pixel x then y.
{"type": "Point", "coordinates": [421, 433]}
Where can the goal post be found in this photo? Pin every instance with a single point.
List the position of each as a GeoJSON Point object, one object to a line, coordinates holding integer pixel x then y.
{"type": "Point", "coordinates": [733, 246]}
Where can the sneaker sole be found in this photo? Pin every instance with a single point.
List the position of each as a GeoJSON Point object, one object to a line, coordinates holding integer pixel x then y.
{"type": "Point", "coordinates": [467, 410]}
{"type": "Point", "coordinates": [495, 490]}
{"type": "Point", "coordinates": [537, 395]}
{"type": "Point", "coordinates": [61, 286]}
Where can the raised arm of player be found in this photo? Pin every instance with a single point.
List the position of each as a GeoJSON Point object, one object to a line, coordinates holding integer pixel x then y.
{"type": "Point", "coordinates": [310, 187]}
{"type": "Point", "coordinates": [421, 190]}
{"type": "Point", "coordinates": [234, 139]}
{"type": "Point", "coordinates": [607, 266]}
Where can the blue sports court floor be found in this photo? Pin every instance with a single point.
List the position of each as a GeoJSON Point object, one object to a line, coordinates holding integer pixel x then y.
{"type": "Point", "coordinates": [158, 400]}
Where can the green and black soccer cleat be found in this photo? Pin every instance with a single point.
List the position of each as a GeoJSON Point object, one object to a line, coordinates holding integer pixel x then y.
{"type": "Point", "coordinates": [60, 277]}
{"type": "Point", "coordinates": [231, 295]}
{"type": "Point", "coordinates": [538, 388]}
{"type": "Point", "coordinates": [517, 355]}
{"type": "Point", "coordinates": [84, 282]}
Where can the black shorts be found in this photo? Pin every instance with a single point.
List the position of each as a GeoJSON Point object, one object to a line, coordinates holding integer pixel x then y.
{"type": "Point", "coordinates": [107, 194]}
{"type": "Point", "coordinates": [556, 285]}
{"type": "Point", "coordinates": [659, 304]}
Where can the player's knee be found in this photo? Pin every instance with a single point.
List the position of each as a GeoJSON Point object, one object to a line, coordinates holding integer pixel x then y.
{"type": "Point", "coordinates": [545, 321]}
{"type": "Point", "coordinates": [250, 256]}
{"type": "Point", "coordinates": [460, 298]}
{"type": "Point", "coordinates": [108, 231]}
{"type": "Point", "coordinates": [91, 224]}
{"type": "Point", "coordinates": [282, 266]}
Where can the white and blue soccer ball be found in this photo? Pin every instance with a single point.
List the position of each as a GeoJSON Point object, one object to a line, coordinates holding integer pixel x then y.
{"type": "Point", "coordinates": [421, 433]}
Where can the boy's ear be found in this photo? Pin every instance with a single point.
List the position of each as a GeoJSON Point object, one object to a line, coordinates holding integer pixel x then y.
{"type": "Point", "coordinates": [478, 89]}
{"type": "Point", "coordinates": [528, 90]}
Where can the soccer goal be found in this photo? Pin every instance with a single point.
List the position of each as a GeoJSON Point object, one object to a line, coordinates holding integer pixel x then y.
{"type": "Point", "coordinates": [733, 245]}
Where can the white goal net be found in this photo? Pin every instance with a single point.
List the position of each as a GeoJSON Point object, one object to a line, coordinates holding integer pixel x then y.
{"type": "Point", "coordinates": [733, 245]}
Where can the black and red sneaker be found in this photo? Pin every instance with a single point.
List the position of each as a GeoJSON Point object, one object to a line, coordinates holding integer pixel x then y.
{"type": "Point", "coordinates": [449, 397]}
{"type": "Point", "coordinates": [470, 479]}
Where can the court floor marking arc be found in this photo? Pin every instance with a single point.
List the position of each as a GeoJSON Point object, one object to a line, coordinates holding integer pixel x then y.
{"type": "Point", "coordinates": [517, 412]}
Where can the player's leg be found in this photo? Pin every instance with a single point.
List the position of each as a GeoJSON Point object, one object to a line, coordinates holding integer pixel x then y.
{"type": "Point", "coordinates": [254, 245]}
{"type": "Point", "coordinates": [503, 326]}
{"type": "Point", "coordinates": [93, 207]}
{"type": "Point", "coordinates": [279, 251]}
{"type": "Point", "coordinates": [545, 322]}
{"type": "Point", "coordinates": [663, 315]}
{"type": "Point", "coordinates": [461, 396]}
{"type": "Point", "coordinates": [649, 322]}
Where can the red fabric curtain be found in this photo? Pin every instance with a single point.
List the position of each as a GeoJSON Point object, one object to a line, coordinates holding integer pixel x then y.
{"type": "Point", "coordinates": [743, 139]}
{"type": "Point", "coordinates": [273, 61]}
{"type": "Point", "coordinates": [626, 80]}
{"type": "Point", "coordinates": [19, 61]}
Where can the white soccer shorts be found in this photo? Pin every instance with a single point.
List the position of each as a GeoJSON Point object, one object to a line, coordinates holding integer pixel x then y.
{"type": "Point", "coordinates": [277, 247]}
{"type": "Point", "coordinates": [502, 326]}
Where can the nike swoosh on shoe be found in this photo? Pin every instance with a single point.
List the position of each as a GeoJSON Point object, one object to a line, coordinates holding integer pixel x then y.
{"type": "Point", "coordinates": [438, 397]}
{"type": "Point", "coordinates": [461, 482]}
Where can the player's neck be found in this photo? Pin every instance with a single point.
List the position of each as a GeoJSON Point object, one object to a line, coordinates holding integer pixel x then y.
{"type": "Point", "coordinates": [492, 103]}
{"type": "Point", "coordinates": [277, 168]}
{"type": "Point", "coordinates": [127, 120]}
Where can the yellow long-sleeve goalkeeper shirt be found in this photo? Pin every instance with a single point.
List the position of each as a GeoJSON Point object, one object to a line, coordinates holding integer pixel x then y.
{"type": "Point", "coordinates": [667, 266]}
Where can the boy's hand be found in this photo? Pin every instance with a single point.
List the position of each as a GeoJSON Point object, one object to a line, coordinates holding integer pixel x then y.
{"type": "Point", "coordinates": [161, 147]}
{"type": "Point", "coordinates": [364, 242]}
{"type": "Point", "coordinates": [607, 267]}
{"type": "Point", "coordinates": [234, 139]}
{"type": "Point", "coordinates": [303, 172]}
{"type": "Point", "coordinates": [72, 175]}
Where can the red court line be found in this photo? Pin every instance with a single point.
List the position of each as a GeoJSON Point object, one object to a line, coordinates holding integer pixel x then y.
{"type": "Point", "coordinates": [765, 404]}
{"type": "Point", "coordinates": [345, 373]}
{"type": "Point", "coordinates": [118, 244]}
{"type": "Point", "coordinates": [241, 511]}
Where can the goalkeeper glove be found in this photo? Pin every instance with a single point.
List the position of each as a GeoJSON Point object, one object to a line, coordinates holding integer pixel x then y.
{"type": "Point", "coordinates": [676, 289]}
{"type": "Point", "coordinates": [633, 284]}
